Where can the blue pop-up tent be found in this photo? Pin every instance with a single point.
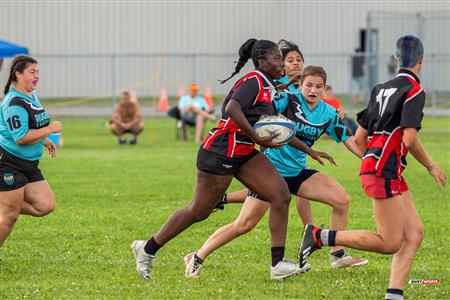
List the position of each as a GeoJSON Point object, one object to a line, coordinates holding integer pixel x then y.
{"type": "Point", "coordinates": [8, 49]}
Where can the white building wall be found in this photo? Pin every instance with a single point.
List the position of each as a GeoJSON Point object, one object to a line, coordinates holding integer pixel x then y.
{"type": "Point", "coordinates": [107, 27]}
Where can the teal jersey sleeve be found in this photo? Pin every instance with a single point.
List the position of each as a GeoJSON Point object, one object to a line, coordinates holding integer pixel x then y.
{"type": "Point", "coordinates": [202, 103]}
{"type": "Point", "coordinates": [281, 102]}
{"type": "Point", "coordinates": [17, 122]}
{"type": "Point", "coordinates": [183, 102]}
{"type": "Point", "coordinates": [337, 130]}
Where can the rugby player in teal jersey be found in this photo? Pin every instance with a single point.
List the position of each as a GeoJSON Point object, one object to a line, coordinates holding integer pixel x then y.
{"type": "Point", "coordinates": [24, 130]}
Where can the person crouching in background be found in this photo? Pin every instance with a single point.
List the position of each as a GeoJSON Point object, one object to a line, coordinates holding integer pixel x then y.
{"type": "Point", "coordinates": [127, 118]}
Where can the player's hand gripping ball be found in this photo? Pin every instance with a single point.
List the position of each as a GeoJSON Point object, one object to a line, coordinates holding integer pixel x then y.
{"type": "Point", "coordinates": [277, 124]}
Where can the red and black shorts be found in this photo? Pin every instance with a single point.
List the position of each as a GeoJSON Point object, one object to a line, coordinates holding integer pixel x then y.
{"type": "Point", "coordinates": [213, 163]}
{"type": "Point", "coordinates": [16, 172]}
{"type": "Point", "coordinates": [293, 183]}
{"type": "Point", "coordinates": [382, 188]}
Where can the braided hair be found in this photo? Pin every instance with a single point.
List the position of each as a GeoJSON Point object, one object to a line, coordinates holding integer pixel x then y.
{"type": "Point", "coordinates": [254, 49]}
{"type": "Point", "coordinates": [19, 64]}
{"type": "Point", "coordinates": [286, 47]}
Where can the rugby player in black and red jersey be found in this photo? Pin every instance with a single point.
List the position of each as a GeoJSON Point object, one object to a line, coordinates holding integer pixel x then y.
{"type": "Point", "coordinates": [388, 131]}
{"type": "Point", "coordinates": [229, 151]}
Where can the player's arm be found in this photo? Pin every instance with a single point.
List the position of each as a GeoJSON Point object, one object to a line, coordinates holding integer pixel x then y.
{"type": "Point", "coordinates": [16, 118]}
{"type": "Point", "coordinates": [316, 155]}
{"type": "Point", "coordinates": [361, 140]}
{"type": "Point", "coordinates": [361, 134]}
{"type": "Point", "coordinates": [339, 133]}
{"type": "Point", "coordinates": [412, 143]}
{"type": "Point", "coordinates": [411, 123]}
{"type": "Point", "coordinates": [281, 101]}
{"type": "Point", "coordinates": [234, 111]}
{"type": "Point", "coordinates": [34, 136]}
{"type": "Point", "coordinates": [351, 145]}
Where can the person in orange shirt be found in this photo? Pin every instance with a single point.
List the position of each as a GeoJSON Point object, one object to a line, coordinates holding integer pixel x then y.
{"type": "Point", "coordinates": [328, 97]}
{"type": "Point", "coordinates": [127, 118]}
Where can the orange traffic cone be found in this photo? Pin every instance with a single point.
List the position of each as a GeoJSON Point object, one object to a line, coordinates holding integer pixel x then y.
{"type": "Point", "coordinates": [208, 97]}
{"type": "Point", "coordinates": [163, 102]}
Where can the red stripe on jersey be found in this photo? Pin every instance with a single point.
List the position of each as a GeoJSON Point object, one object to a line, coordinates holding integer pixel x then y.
{"type": "Point", "coordinates": [368, 165]}
{"type": "Point", "coordinates": [377, 141]}
{"type": "Point", "coordinates": [264, 96]}
{"type": "Point", "coordinates": [392, 145]}
{"type": "Point", "coordinates": [207, 142]}
{"type": "Point", "coordinates": [231, 144]}
{"type": "Point", "coordinates": [243, 149]}
{"type": "Point", "coordinates": [415, 90]}
{"type": "Point", "coordinates": [263, 93]}
{"type": "Point", "coordinates": [247, 77]}
{"type": "Point", "coordinates": [389, 144]}
{"type": "Point", "coordinates": [223, 127]}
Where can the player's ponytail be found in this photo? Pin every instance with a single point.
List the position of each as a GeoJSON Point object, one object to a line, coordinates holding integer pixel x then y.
{"type": "Point", "coordinates": [245, 52]}
{"type": "Point", "coordinates": [19, 64]}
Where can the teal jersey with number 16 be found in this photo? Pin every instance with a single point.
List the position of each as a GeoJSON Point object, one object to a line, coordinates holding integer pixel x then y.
{"type": "Point", "coordinates": [20, 113]}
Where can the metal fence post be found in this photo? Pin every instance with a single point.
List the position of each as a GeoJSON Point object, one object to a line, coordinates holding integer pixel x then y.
{"type": "Point", "coordinates": [193, 67]}
{"type": "Point", "coordinates": [420, 26]}
{"type": "Point", "coordinates": [433, 89]}
{"type": "Point", "coordinates": [367, 56]}
{"type": "Point", "coordinates": [113, 80]}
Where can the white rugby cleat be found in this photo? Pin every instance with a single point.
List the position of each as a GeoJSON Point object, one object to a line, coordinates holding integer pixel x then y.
{"type": "Point", "coordinates": [144, 261]}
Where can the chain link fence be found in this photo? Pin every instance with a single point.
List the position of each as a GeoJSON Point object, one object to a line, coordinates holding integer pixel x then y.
{"type": "Point", "coordinates": [72, 79]}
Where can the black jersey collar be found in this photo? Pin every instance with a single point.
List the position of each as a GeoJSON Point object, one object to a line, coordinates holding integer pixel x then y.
{"type": "Point", "coordinates": [406, 71]}
{"type": "Point", "coordinates": [267, 76]}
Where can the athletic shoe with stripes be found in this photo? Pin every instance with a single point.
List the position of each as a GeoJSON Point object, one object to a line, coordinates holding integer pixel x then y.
{"type": "Point", "coordinates": [192, 266]}
{"type": "Point", "coordinates": [144, 261]}
{"type": "Point", "coordinates": [287, 268]}
{"type": "Point", "coordinates": [309, 243]}
{"type": "Point", "coordinates": [347, 261]}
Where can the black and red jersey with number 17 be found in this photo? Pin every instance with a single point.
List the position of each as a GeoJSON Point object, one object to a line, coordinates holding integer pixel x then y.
{"type": "Point", "coordinates": [393, 105]}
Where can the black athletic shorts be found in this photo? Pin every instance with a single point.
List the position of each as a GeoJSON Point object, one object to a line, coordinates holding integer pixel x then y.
{"type": "Point", "coordinates": [217, 164]}
{"type": "Point", "coordinates": [15, 172]}
{"type": "Point", "coordinates": [293, 183]}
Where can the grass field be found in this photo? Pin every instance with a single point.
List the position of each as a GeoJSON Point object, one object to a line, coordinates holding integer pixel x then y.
{"type": "Point", "coordinates": [108, 195]}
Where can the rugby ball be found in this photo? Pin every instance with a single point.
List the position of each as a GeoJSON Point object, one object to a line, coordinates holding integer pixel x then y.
{"type": "Point", "coordinates": [271, 125]}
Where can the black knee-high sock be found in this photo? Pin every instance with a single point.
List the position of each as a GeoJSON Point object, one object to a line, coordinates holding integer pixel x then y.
{"type": "Point", "coordinates": [152, 246]}
{"type": "Point", "coordinates": [339, 254]}
{"type": "Point", "coordinates": [224, 199]}
{"type": "Point", "coordinates": [394, 294]}
{"type": "Point", "coordinates": [277, 255]}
